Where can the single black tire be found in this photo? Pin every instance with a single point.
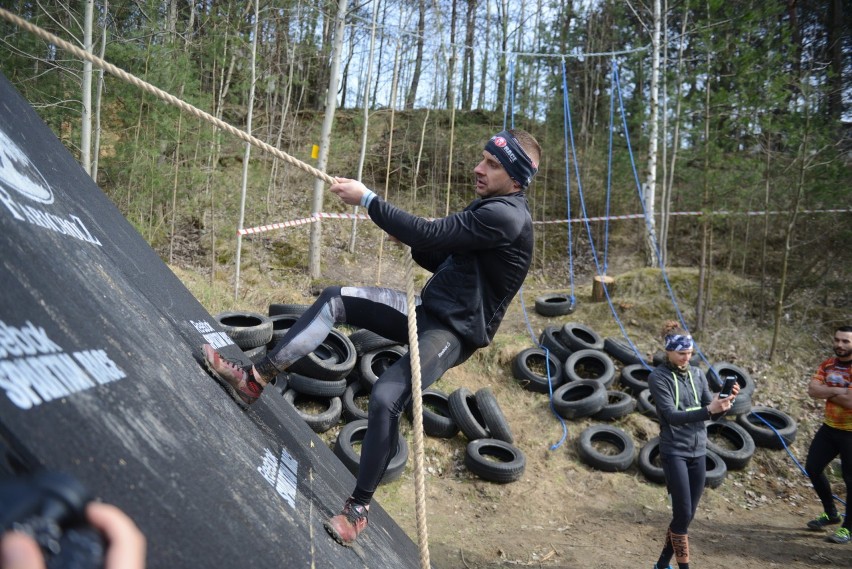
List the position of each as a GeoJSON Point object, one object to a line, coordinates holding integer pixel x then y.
{"type": "Point", "coordinates": [731, 442]}
{"type": "Point", "coordinates": [344, 449]}
{"type": "Point", "coordinates": [716, 470]}
{"type": "Point", "coordinates": [366, 341]}
{"type": "Point", "coordinates": [578, 399]}
{"type": "Point", "coordinates": [581, 337]}
{"type": "Point", "coordinates": [317, 387]}
{"type": "Point", "coordinates": [551, 338]}
{"type": "Point", "coordinates": [589, 364]}
{"type": "Point", "coordinates": [376, 362]}
{"type": "Point", "coordinates": [318, 422]}
{"type": "Point", "coordinates": [649, 461]}
{"type": "Point", "coordinates": [555, 305]}
{"type": "Point", "coordinates": [466, 414]}
{"type": "Point", "coordinates": [437, 419]}
{"type": "Point", "coordinates": [331, 360]}
{"type": "Point", "coordinates": [621, 350]}
{"type": "Point", "coordinates": [724, 369]}
{"type": "Point", "coordinates": [634, 377]}
{"type": "Point", "coordinates": [618, 404]}
{"type": "Point", "coordinates": [763, 434]}
{"type": "Point", "coordinates": [526, 366]}
{"type": "Point", "coordinates": [495, 420]}
{"type": "Point", "coordinates": [287, 309]}
{"type": "Point", "coordinates": [611, 436]}
{"type": "Point", "coordinates": [281, 323]}
{"type": "Point", "coordinates": [495, 460]}
{"type": "Point", "coordinates": [352, 410]}
{"type": "Point", "coordinates": [645, 404]}
{"type": "Point", "coordinates": [247, 329]}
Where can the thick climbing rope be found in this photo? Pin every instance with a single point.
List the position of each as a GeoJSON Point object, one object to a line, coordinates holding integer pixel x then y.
{"type": "Point", "coordinates": [417, 409]}
{"type": "Point", "coordinates": [160, 94]}
{"type": "Point", "coordinates": [419, 478]}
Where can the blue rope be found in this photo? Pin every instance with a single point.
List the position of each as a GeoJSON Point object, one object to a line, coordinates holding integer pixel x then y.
{"type": "Point", "coordinates": [650, 226]}
{"type": "Point", "coordinates": [588, 226]}
{"type": "Point", "coordinates": [510, 96]}
{"type": "Point", "coordinates": [608, 176]}
{"type": "Point", "coordinates": [510, 105]}
{"type": "Point", "coordinates": [549, 376]}
{"type": "Point", "coordinates": [565, 121]}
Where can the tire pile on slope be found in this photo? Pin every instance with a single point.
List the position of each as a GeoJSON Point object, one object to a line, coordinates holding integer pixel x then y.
{"type": "Point", "coordinates": [606, 379]}
{"type": "Point", "coordinates": [332, 384]}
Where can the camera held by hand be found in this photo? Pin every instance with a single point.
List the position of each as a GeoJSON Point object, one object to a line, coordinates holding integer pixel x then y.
{"type": "Point", "coordinates": [50, 507]}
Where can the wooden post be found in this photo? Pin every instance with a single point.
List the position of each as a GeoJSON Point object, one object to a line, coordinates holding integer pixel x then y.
{"type": "Point", "coordinates": [598, 283]}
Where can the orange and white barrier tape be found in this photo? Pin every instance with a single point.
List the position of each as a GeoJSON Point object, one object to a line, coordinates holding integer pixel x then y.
{"type": "Point", "coordinates": [318, 216]}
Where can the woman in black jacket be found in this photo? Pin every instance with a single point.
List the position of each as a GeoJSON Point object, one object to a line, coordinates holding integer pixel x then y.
{"type": "Point", "coordinates": [684, 402]}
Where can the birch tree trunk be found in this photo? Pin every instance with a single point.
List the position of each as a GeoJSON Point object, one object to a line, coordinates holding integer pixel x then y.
{"type": "Point", "coordinates": [483, 71]}
{"type": "Point", "coordinates": [651, 182]}
{"type": "Point", "coordinates": [98, 95]}
{"type": "Point", "coordinates": [705, 220]}
{"type": "Point", "coordinates": [363, 152]}
{"type": "Point", "coordinates": [503, 16]}
{"type": "Point", "coordinates": [763, 249]}
{"type": "Point", "coordinates": [86, 115]}
{"type": "Point", "coordinates": [668, 185]}
{"type": "Point", "coordinates": [247, 155]}
{"type": "Point", "coordinates": [411, 97]}
{"type": "Point", "coordinates": [325, 138]}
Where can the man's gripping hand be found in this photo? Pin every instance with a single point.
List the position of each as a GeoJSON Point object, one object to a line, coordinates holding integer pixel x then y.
{"type": "Point", "coordinates": [352, 192]}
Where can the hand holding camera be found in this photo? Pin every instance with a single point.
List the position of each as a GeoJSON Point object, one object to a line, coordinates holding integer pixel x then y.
{"type": "Point", "coordinates": [48, 522]}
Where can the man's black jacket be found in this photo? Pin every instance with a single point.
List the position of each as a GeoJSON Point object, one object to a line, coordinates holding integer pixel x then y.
{"type": "Point", "coordinates": [479, 257]}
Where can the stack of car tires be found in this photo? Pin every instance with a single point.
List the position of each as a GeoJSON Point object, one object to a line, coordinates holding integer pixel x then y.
{"type": "Point", "coordinates": [605, 380]}
{"type": "Point", "coordinates": [333, 384]}
{"type": "Point", "coordinates": [490, 452]}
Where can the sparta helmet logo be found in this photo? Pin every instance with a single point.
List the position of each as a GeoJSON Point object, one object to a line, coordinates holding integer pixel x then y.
{"type": "Point", "coordinates": [500, 141]}
{"type": "Point", "coordinates": [18, 173]}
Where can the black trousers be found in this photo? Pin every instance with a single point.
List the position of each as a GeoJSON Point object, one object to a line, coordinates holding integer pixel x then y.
{"type": "Point", "coordinates": [685, 481]}
{"type": "Point", "coordinates": [385, 312]}
{"type": "Point", "coordinates": [827, 444]}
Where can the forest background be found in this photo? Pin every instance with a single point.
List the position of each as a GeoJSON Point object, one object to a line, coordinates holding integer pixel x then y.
{"type": "Point", "coordinates": [684, 106]}
{"type": "Point", "coordinates": [741, 110]}
{"type": "Point", "coordinates": [674, 106]}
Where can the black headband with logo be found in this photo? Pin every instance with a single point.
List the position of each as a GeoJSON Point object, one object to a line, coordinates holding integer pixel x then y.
{"type": "Point", "coordinates": [515, 161]}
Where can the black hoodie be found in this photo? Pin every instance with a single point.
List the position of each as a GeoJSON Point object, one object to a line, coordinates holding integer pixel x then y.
{"type": "Point", "coordinates": [479, 257]}
{"type": "Point", "coordinates": [683, 430]}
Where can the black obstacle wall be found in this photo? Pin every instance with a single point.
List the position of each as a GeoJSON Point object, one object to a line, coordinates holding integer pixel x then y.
{"type": "Point", "coordinates": [101, 377]}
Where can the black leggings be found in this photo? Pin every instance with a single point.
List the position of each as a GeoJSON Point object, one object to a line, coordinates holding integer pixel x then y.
{"type": "Point", "coordinates": [685, 481]}
{"type": "Point", "coordinates": [827, 444]}
{"type": "Point", "coordinates": [385, 312]}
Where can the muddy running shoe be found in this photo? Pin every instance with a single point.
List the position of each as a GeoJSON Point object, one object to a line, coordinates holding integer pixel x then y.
{"type": "Point", "coordinates": [238, 382]}
{"type": "Point", "coordinates": [346, 526]}
{"type": "Point", "coordinates": [842, 535]}
{"type": "Point", "coordinates": [656, 566]}
{"type": "Point", "coordinates": [823, 520]}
